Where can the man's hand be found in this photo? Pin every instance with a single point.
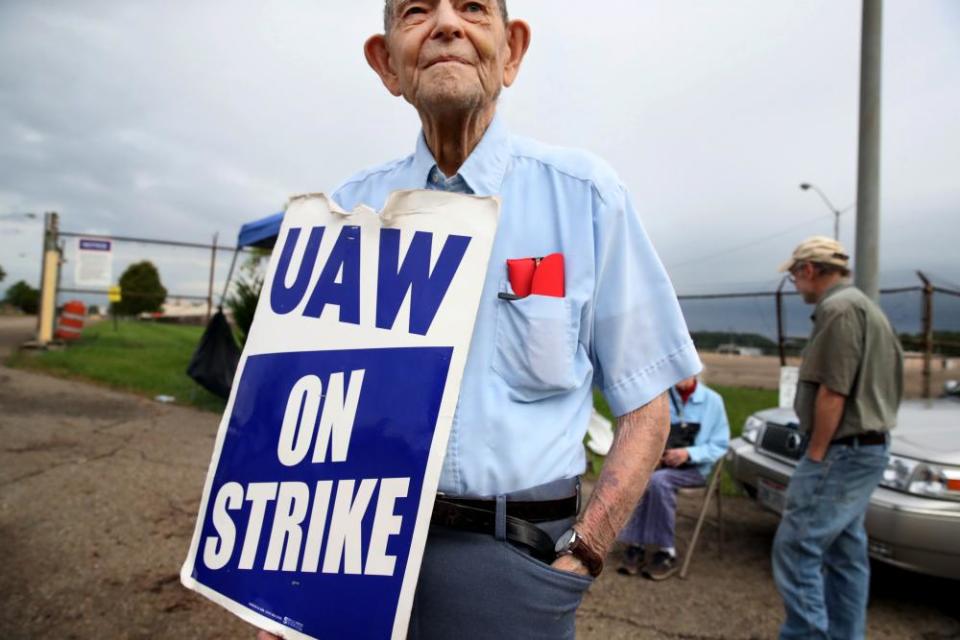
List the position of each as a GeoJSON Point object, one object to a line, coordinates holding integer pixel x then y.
{"type": "Point", "coordinates": [827, 413]}
{"type": "Point", "coordinates": [571, 564]}
{"type": "Point", "coordinates": [263, 635]}
{"type": "Point", "coordinates": [675, 457]}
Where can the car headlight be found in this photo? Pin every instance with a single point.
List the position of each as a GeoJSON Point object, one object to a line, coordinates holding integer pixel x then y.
{"type": "Point", "coordinates": [922, 478]}
{"type": "Point", "coordinates": [898, 473]}
{"type": "Point", "coordinates": [751, 429]}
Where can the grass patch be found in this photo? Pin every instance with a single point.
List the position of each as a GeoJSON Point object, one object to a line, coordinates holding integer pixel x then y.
{"type": "Point", "coordinates": [143, 357]}
{"type": "Point", "coordinates": [151, 359]}
{"type": "Point", "coordinates": [740, 403]}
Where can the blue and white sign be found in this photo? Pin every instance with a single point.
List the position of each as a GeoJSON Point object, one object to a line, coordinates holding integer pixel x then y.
{"type": "Point", "coordinates": [94, 263]}
{"type": "Point", "coordinates": [318, 498]}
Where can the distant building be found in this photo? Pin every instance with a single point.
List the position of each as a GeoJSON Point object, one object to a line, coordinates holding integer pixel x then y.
{"type": "Point", "coordinates": [738, 350]}
{"type": "Point", "coordinates": [178, 310]}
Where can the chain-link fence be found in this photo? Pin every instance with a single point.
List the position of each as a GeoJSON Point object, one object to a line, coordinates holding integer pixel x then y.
{"type": "Point", "coordinates": [776, 323]}
{"type": "Point", "coordinates": [191, 275]}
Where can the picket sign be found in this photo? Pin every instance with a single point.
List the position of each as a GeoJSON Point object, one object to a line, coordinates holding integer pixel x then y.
{"type": "Point", "coordinates": [789, 378]}
{"type": "Point", "coordinates": [317, 502]}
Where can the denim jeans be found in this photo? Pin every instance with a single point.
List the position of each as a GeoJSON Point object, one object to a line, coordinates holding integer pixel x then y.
{"type": "Point", "coordinates": [820, 562]}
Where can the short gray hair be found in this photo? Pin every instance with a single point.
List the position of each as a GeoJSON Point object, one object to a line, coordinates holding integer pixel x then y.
{"type": "Point", "coordinates": [388, 9]}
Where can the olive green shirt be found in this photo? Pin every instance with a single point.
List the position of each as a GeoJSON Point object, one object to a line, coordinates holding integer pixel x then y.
{"type": "Point", "coordinates": [854, 352]}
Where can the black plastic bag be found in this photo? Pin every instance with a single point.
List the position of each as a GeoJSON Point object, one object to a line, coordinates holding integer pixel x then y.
{"type": "Point", "coordinates": [215, 360]}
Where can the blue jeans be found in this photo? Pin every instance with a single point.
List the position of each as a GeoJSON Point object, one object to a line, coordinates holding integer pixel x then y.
{"type": "Point", "coordinates": [820, 562]}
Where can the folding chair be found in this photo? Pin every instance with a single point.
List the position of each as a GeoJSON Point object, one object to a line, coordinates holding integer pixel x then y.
{"type": "Point", "coordinates": [707, 492]}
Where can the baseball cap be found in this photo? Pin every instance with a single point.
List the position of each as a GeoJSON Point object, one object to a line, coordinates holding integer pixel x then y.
{"type": "Point", "coordinates": [819, 249]}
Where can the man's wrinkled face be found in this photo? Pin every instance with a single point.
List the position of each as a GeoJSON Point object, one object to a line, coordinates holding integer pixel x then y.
{"type": "Point", "coordinates": [803, 275]}
{"type": "Point", "coordinates": [448, 54]}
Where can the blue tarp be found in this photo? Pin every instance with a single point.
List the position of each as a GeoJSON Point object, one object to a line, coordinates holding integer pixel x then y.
{"type": "Point", "coordinates": [260, 233]}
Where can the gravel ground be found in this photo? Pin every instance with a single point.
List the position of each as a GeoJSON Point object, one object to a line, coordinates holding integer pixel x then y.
{"type": "Point", "coordinates": [99, 492]}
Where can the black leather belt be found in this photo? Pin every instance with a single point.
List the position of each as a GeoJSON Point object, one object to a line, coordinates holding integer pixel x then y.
{"type": "Point", "coordinates": [865, 438]}
{"type": "Point", "coordinates": [480, 516]}
{"type": "Point", "coordinates": [529, 510]}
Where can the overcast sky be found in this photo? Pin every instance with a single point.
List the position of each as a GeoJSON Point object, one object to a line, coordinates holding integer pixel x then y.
{"type": "Point", "coordinates": [180, 119]}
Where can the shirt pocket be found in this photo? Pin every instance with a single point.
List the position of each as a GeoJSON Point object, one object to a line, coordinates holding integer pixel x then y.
{"type": "Point", "coordinates": [536, 344]}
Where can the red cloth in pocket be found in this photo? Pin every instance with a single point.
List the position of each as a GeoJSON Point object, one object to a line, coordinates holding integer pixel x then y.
{"type": "Point", "coordinates": [538, 276]}
{"type": "Point", "coordinates": [520, 271]}
{"type": "Point", "coordinates": [548, 276]}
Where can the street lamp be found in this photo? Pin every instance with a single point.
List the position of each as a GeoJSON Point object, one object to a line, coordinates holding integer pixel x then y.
{"type": "Point", "coordinates": [12, 216]}
{"type": "Point", "coordinates": [836, 212]}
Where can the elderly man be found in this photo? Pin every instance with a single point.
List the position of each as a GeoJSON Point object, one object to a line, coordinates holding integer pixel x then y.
{"type": "Point", "coordinates": [507, 555]}
{"type": "Point", "coordinates": [850, 386]}
{"type": "Point", "coordinates": [699, 436]}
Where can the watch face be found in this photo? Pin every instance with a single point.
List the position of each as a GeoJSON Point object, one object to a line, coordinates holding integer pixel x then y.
{"type": "Point", "coordinates": [565, 540]}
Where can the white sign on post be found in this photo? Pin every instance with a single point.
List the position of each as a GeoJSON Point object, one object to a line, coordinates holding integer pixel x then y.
{"type": "Point", "coordinates": [789, 376]}
{"type": "Point", "coordinates": [94, 263]}
{"type": "Point", "coordinates": [318, 498]}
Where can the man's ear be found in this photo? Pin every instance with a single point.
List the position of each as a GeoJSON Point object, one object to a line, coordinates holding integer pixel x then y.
{"type": "Point", "coordinates": [518, 39]}
{"type": "Point", "coordinates": [378, 57]}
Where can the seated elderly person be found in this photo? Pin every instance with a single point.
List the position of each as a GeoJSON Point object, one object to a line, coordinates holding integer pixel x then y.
{"type": "Point", "coordinates": [699, 435]}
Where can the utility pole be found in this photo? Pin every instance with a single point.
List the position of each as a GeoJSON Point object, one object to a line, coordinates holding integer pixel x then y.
{"type": "Point", "coordinates": [213, 268]}
{"type": "Point", "coordinates": [927, 315]}
{"type": "Point", "coordinates": [780, 337]}
{"type": "Point", "coordinates": [868, 162]}
{"type": "Point", "coordinates": [49, 275]}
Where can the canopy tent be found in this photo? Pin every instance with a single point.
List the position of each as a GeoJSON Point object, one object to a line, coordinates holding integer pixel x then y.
{"type": "Point", "coordinates": [214, 362]}
{"type": "Point", "coordinates": [260, 233]}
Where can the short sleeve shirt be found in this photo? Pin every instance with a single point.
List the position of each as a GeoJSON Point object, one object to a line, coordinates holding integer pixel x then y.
{"type": "Point", "coordinates": [526, 395]}
{"type": "Point", "coordinates": [852, 351]}
{"type": "Point", "coordinates": [704, 407]}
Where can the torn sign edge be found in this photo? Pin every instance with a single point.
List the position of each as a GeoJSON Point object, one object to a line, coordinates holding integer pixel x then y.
{"type": "Point", "coordinates": [399, 205]}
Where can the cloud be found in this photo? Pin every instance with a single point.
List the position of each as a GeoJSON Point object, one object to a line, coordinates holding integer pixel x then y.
{"type": "Point", "coordinates": [179, 120]}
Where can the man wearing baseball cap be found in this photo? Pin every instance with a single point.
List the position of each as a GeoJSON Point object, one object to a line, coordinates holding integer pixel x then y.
{"type": "Point", "coordinates": [849, 389]}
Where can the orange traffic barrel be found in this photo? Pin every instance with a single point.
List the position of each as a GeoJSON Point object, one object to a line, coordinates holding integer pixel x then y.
{"type": "Point", "coordinates": [71, 320]}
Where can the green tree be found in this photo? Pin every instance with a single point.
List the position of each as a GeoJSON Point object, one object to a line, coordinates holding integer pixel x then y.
{"type": "Point", "coordinates": [3, 274]}
{"type": "Point", "coordinates": [140, 290]}
{"type": "Point", "coordinates": [246, 293]}
{"type": "Point", "coordinates": [23, 296]}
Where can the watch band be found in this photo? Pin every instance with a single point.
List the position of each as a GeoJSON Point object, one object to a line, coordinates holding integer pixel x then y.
{"type": "Point", "coordinates": [592, 560]}
{"type": "Point", "coordinates": [572, 543]}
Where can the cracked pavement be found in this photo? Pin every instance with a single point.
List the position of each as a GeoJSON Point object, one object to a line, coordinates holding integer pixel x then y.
{"type": "Point", "coordinates": [98, 498]}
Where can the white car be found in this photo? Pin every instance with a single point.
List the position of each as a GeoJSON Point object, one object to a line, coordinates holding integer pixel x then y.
{"type": "Point", "coordinates": [914, 516]}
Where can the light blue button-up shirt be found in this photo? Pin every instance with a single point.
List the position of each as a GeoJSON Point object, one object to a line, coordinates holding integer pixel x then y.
{"type": "Point", "coordinates": [703, 407]}
{"type": "Point", "coordinates": [526, 394]}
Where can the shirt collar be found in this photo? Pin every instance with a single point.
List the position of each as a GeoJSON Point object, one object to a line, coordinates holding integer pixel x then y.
{"type": "Point", "coordinates": [483, 170]}
{"type": "Point", "coordinates": [840, 286]}
{"type": "Point", "coordinates": [699, 394]}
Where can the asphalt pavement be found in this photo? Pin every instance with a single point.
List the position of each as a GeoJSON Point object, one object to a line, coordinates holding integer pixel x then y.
{"type": "Point", "coordinates": [14, 331]}
{"type": "Point", "coordinates": [99, 492]}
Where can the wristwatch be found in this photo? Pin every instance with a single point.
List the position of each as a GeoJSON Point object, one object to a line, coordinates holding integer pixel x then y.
{"type": "Point", "coordinates": [572, 543]}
